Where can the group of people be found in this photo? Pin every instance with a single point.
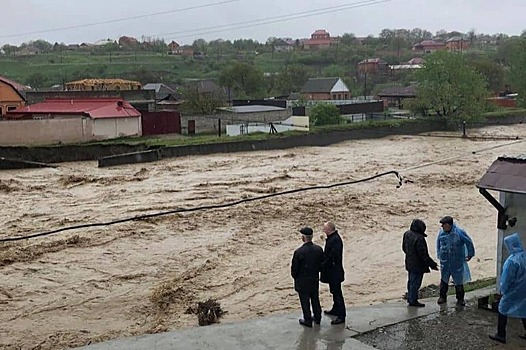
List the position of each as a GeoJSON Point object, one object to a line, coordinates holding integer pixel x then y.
{"type": "Point", "coordinates": [454, 247]}
{"type": "Point", "coordinates": [312, 264]}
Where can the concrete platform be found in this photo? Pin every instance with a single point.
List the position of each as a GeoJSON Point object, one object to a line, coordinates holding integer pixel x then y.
{"type": "Point", "coordinates": [282, 332]}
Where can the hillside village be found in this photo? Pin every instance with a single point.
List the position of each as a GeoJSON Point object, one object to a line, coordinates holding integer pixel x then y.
{"type": "Point", "coordinates": [189, 88]}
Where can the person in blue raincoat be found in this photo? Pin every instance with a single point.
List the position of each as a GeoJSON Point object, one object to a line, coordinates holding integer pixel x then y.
{"type": "Point", "coordinates": [454, 249]}
{"type": "Point", "coordinates": [512, 287]}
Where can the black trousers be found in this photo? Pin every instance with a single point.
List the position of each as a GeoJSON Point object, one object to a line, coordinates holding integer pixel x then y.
{"type": "Point", "coordinates": [306, 299]}
{"type": "Point", "coordinates": [338, 306]}
{"type": "Point", "coordinates": [503, 322]}
{"type": "Point", "coordinates": [459, 290]}
{"type": "Point", "coordinates": [414, 282]}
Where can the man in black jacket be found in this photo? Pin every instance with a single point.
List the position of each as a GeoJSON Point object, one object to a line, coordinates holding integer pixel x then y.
{"type": "Point", "coordinates": [417, 260]}
{"type": "Point", "coordinates": [332, 271]}
{"type": "Point", "coordinates": [305, 269]}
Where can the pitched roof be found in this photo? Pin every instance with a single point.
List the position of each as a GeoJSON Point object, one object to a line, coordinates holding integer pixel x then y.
{"type": "Point", "coordinates": [429, 43]}
{"type": "Point", "coordinates": [14, 84]}
{"type": "Point", "coordinates": [506, 174]}
{"type": "Point", "coordinates": [455, 38]}
{"type": "Point", "coordinates": [320, 32]}
{"type": "Point", "coordinates": [162, 91]}
{"type": "Point", "coordinates": [95, 108]}
{"type": "Point", "coordinates": [324, 85]}
{"type": "Point", "coordinates": [373, 60]}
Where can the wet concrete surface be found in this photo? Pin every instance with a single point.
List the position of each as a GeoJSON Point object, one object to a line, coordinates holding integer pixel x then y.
{"type": "Point", "coordinates": [278, 332]}
{"type": "Point", "coordinates": [464, 328]}
{"type": "Point", "coordinates": [391, 325]}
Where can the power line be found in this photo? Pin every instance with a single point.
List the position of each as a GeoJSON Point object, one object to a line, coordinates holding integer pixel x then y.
{"type": "Point", "coordinates": [119, 19]}
{"type": "Point", "coordinates": [276, 19]}
{"type": "Point", "coordinates": [290, 18]}
{"type": "Point", "coordinates": [247, 200]}
{"type": "Point", "coordinates": [206, 207]}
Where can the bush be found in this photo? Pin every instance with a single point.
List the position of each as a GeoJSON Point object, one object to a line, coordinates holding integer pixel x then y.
{"type": "Point", "coordinates": [325, 114]}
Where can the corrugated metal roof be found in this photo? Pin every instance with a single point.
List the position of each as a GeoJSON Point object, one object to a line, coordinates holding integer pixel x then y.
{"type": "Point", "coordinates": [252, 109]}
{"type": "Point", "coordinates": [323, 85]}
{"type": "Point", "coordinates": [506, 174]}
{"type": "Point", "coordinates": [94, 108]}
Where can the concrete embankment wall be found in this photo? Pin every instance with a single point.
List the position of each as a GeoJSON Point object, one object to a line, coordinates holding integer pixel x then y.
{"type": "Point", "coordinates": [317, 139]}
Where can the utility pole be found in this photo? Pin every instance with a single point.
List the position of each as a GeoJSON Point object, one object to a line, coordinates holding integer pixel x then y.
{"type": "Point", "coordinates": [365, 85]}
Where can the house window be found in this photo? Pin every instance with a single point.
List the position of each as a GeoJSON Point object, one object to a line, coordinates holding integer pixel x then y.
{"type": "Point", "coordinates": [1, 110]}
{"type": "Point", "coordinates": [11, 108]}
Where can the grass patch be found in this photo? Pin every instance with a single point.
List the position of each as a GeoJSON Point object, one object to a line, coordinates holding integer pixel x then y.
{"type": "Point", "coordinates": [506, 113]}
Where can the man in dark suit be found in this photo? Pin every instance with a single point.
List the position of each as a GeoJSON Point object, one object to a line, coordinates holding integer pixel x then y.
{"type": "Point", "coordinates": [332, 271]}
{"type": "Point", "coordinates": [305, 269]}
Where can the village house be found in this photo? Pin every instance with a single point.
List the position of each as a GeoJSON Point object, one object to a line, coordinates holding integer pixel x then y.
{"type": "Point", "coordinates": [185, 51]}
{"type": "Point", "coordinates": [429, 46]}
{"type": "Point", "coordinates": [372, 66]}
{"type": "Point", "coordinates": [11, 95]}
{"type": "Point", "coordinates": [65, 120]}
{"type": "Point", "coordinates": [457, 44]}
{"type": "Point", "coordinates": [102, 85]}
{"type": "Point", "coordinates": [127, 41]}
{"type": "Point", "coordinates": [396, 96]}
{"type": "Point", "coordinates": [325, 89]}
{"type": "Point", "coordinates": [172, 47]}
{"type": "Point", "coordinates": [281, 45]}
{"type": "Point", "coordinates": [318, 40]}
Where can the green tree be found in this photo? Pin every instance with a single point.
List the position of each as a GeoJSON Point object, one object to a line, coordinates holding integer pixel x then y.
{"type": "Point", "coordinates": [518, 69]}
{"type": "Point", "coordinates": [334, 70]}
{"type": "Point", "coordinates": [325, 114]}
{"type": "Point", "coordinates": [292, 78]}
{"type": "Point", "coordinates": [450, 87]}
{"type": "Point", "coordinates": [199, 103]}
{"type": "Point", "coordinates": [244, 79]}
{"type": "Point", "coordinates": [492, 72]}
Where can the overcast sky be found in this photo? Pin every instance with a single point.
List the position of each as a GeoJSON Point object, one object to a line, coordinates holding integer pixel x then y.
{"type": "Point", "coordinates": [23, 16]}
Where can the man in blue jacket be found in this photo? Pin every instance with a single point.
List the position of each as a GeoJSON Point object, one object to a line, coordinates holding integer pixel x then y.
{"type": "Point", "coordinates": [512, 287]}
{"type": "Point", "coordinates": [452, 245]}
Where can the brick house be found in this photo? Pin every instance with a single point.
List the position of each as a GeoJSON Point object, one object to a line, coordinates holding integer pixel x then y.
{"type": "Point", "coordinates": [373, 66]}
{"type": "Point", "coordinates": [172, 47]}
{"type": "Point", "coordinates": [325, 89]}
{"type": "Point", "coordinates": [318, 40]}
{"type": "Point", "coordinates": [429, 46]}
{"type": "Point", "coordinates": [128, 41]}
{"type": "Point", "coordinates": [457, 44]}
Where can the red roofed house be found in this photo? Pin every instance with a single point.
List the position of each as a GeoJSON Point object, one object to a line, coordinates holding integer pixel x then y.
{"type": "Point", "coordinates": [66, 120]}
{"type": "Point", "coordinates": [11, 95]}
{"type": "Point", "coordinates": [319, 39]}
{"type": "Point", "coordinates": [429, 46]}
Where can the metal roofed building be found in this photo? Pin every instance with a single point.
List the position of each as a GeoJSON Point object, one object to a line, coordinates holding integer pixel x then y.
{"type": "Point", "coordinates": [507, 175]}
{"type": "Point", "coordinates": [64, 120]}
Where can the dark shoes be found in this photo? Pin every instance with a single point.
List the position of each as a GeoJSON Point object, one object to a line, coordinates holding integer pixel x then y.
{"type": "Point", "coordinates": [305, 323]}
{"type": "Point", "coordinates": [338, 321]}
{"type": "Point", "coordinates": [461, 302]}
{"type": "Point", "coordinates": [416, 304]}
{"type": "Point", "coordinates": [330, 312]}
{"type": "Point", "coordinates": [441, 300]}
{"type": "Point", "coordinates": [498, 338]}
{"type": "Point", "coordinates": [317, 321]}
